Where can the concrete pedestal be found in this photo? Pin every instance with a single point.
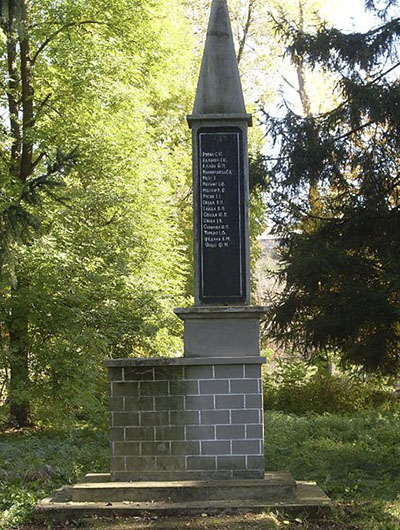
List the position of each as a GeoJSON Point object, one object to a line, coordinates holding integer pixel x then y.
{"type": "Point", "coordinates": [221, 331]}
{"type": "Point", "coordinates": [273, 486]}
{"type": "Point", "coordinates": [186, 419]}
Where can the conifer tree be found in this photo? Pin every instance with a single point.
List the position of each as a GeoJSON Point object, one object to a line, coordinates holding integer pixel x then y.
{"type": "Point", "coordinates": [340, 257]}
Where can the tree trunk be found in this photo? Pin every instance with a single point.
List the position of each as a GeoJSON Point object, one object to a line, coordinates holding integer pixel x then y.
{"type": "Point", "coordinates": [14, 20]}
{"type": "Point", "coordinates": [9, 26]}
{"type": "Point", "coordinates": [301, 74]}
{"type": "Point", "coordinates": [27, 96]}
{"type": "Point", "coordinates": [18, 360]}
{"type": "Point", "coordinates": [314, 197]}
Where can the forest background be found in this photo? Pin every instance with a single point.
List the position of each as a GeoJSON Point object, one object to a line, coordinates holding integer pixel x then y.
{"type": "Point", "coordinates": [95, 196]}
{"type": "Point", "coordinates": [96, 235]}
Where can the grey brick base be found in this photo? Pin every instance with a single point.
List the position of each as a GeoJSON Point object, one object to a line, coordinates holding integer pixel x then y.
{"type": "Point", "coordinates": [186, 419]}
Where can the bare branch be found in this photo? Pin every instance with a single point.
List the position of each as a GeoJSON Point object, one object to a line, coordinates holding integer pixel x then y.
{"type": "Point", "coordinates": [384, 74]}
{"type": "Point", "coordinates": [38, 160]}
{"type": "Point", "coordinates": [246, 29]}
{"type": "Point", "coordinates": [60, 30]}
{"type": "Point", "coordinates": [289, 83]}
{"type": "Point", "coordinates": [42, 103]}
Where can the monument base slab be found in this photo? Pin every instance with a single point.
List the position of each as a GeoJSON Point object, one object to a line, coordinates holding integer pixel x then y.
{"type": "Point", "coordinates": [274, 486]}
{"type": "Point", "coordinates": [97, 496]}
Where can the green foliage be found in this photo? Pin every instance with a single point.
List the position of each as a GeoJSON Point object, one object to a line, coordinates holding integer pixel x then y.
{"type": "Point", "coordinates": [106, 263]}
{"type": "Point", "coordinates": [32, 464]}
{"type": "Point", "coordinates": [17, 505]}
{"type": "Point", "coordinates": [350, 456]}
{"type": "Point", "coordinates": [296, 388]}
{"type": "Point", "coordinates": [335, 201]}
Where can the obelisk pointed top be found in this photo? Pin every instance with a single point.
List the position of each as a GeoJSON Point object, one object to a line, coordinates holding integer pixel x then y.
{"type": "Point", "coordinates": [219, 90]}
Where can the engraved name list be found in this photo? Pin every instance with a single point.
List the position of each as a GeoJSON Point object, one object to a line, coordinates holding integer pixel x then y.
{"type": "Point", "coordinates": [221, 215]}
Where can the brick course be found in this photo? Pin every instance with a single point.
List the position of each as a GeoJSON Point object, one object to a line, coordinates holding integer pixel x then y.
{"type": "Point", "coordinates": [186, 422]}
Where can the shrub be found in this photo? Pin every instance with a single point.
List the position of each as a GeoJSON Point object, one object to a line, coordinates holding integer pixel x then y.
{"type": "Point", "coordinates": [17, 504]}
{"type": "Point", "coordinates": [295, 388]}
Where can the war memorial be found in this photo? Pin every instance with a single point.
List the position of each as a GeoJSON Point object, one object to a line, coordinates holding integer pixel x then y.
{"type": "Point", "coordinates": [187, 434]}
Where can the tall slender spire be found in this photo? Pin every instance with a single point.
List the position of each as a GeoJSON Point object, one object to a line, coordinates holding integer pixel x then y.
{"type": "Point", "coordinates": [219, 90]}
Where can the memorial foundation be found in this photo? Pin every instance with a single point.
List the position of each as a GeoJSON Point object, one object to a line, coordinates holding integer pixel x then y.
{"type": "Point", "coordinates": [186, 419]}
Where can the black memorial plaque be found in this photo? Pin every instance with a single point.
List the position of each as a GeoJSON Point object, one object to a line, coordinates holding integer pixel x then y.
{"type": "Point", "coordinates": [221, 216]}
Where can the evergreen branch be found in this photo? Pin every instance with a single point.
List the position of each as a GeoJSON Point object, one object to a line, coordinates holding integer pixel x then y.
{"type": "Point", "coordinates": [381, 76]}
{"type": "Point", "coordinates": [353, 131]}
{"type": "Point", "coordinates": [392, 22]}
{"type": "Point", "coordinates": [277, 158]}
{"type": "Point", "coordinates": [16, 222]}
{"type": "Point", "coordinates": [370, 83]}
{"type": "Point", "coordinates": [54, 35]}
{"type": "Point", "coordinates": [342, 105]}
{"type": "Point", "coordinates": [331, 46]}
{"type": "Point", "coordinates": [382, 13]}
{"type": "Point", "coordinates": [339, 220]}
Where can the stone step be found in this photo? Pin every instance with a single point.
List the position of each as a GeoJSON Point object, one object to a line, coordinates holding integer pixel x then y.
{"type": "Point", "coordinates": [60, 506]}
{"type": "Point", "coordinates": [273, 486]}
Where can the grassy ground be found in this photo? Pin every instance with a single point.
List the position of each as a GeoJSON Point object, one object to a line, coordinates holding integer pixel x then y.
{"type": "Point", "coordinates": [355, 459]}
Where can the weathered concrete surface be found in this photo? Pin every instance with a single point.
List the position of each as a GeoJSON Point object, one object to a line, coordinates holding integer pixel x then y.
{"type": "Point", "coordinates": [214, 311]}
{"type": "Point", "coordinates": [274, 486]}
{"type": "Point", "coordinates": [221, 331]}
{"type": "Point", "coordinates": [60, 506]}
{"type": "Point", "coordinates": [223, 337]}
{"type": "Point", "coordinates": [196, 419]}
{"type": "Point", "coordinates": [219, 89]}
{"type": "Point", "coordinates": [180, 361]}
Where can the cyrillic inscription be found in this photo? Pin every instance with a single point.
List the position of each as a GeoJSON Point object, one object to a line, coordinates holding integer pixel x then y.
{"type": "Point", "coordinates": [221, 216]}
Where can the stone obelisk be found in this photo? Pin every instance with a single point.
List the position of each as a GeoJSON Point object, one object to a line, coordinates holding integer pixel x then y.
{"type": "Point", "coordinates": [222, 321]}
{"type": "Point", "coordinates": [220, 171]}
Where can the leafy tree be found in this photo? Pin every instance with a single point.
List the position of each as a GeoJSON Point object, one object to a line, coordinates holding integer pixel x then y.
{"type": "Point", "coordinates": [94, 268]}
{"type": "Point", "coordinates": [340, 250]}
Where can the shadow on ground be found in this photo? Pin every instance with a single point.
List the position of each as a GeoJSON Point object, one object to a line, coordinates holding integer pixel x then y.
{"type": "Point", "coordinates": [363, 515]}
